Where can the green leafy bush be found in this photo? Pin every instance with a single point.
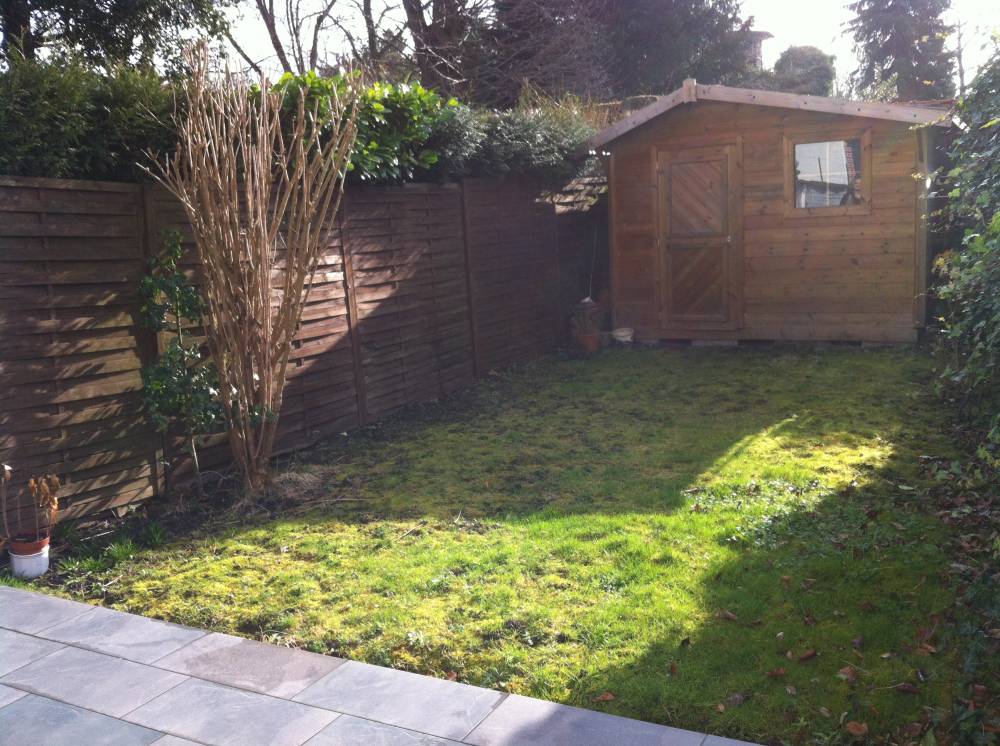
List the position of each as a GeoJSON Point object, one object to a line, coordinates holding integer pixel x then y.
{"type": "Point", "coordinates": [457, 137]}
{"type": "Point", "coordinates": [409, 133]}
{"type": "Point", "coordinates": [531, 140]}
{"type": "Point", "coordinates": [61, 119]}
{"type": "Point", "coordinates": [970, 288]}
{"type": "Point", "coordinates": [395, 125]}
{"type": "Point", "coordinates": [400, 127]}
{"type": "Point", "coordinates": [180, 388]}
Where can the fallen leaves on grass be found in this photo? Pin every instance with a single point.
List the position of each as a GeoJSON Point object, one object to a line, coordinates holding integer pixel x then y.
{"type": "Point", "coordinates": [777, 673]}
{"type": "Point", "coordinates": [848, 674]}
{"type": "Point", "coordinates": [604, 697]}
{"type": "Point", "coordinates": [856, 729]}
{"type": "Point", "coordinates": [807, 656]}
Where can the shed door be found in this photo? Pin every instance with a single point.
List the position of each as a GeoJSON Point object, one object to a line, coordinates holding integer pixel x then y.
{"type": "Point", "coordinates": [699, 226]}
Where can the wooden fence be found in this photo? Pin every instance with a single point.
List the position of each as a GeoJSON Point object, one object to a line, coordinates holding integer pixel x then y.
{"type": "Point", "coordinates": [421, 289]}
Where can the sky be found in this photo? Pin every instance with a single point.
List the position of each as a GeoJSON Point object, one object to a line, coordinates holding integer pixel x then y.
{"type": "Point", "coordinates": [818, 23]}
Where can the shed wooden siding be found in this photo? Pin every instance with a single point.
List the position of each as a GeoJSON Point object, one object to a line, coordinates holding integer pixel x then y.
{"type": "Point", "coordinates": [829, 277]}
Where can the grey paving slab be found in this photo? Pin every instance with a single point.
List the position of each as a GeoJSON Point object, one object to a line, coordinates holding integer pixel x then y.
{"type": "Point", "coordinates": [29, 612]}
{"type": "Point", "coordinates": [235, 661]}
{"type": "Point", "coordinates": [223, 716]}
{"type": "Point", "coordinates": [408, 700]}
{"type": "Point", "coordinates": [348, 730]}
{"type": "Point", "coordinates": [8, 695]}
{"type": "Point", "coordinates": [34, 721]}
{"type": "Point", "coordinates": [181, 687]}
{"type": "Point", "coordinates": [124, 635]}
{"type": "Point", "coordinates": [17, 649]}
{"type": "Point", "coordinates": [99, 682]}
{"type": "Point", "coordinates": [527, 722]}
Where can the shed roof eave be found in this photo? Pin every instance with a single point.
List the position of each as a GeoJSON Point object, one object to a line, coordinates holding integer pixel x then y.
{"type": "Point", "coordinates": [691, 91]}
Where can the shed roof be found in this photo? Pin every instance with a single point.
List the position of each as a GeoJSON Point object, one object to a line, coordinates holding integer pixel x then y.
{"type": "Point", "coordinates": [692, 91]}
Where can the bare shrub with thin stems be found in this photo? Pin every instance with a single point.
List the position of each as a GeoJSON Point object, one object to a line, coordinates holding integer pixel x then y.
{"type": "Point", "coordinates": [260, 184]}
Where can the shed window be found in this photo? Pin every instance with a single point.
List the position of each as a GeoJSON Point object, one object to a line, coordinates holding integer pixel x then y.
{"type": "Point", "coordinates": [828, 174]}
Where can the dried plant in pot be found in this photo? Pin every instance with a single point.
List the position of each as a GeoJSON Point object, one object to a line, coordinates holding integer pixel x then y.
{"type": "Point", "coordinates": [586, 323]}
{"type": "Point", "coordinates": [28, 519]}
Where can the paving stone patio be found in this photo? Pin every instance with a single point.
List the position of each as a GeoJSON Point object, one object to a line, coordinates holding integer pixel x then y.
{"type": "Point", "coordinates": [76, 674]}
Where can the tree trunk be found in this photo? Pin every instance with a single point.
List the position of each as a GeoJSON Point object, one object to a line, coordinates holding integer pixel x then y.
{"type": "Point", "coordinates": [18, 39]}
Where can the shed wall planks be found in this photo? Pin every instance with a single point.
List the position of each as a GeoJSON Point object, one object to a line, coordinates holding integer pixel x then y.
{"type": "Point", "coordinates": [820, 276]}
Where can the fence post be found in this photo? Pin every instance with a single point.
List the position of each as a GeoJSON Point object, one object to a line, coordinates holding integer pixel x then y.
{"type": "Point", "coordinates": [149, 341]}
{"type": "Point", "coordinates": [353, 332]}
{"type": "Point", "coordinates": [469, 281]}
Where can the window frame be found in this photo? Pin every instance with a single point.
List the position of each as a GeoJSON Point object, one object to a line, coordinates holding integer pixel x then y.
{"type": "Point", "coordinates": [805, 138]}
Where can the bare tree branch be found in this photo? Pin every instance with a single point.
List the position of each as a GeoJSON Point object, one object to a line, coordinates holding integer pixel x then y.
{"type": "Point", "coordinates": [266, 10]}
{"type": "Point", "coordinates": [246, 58]}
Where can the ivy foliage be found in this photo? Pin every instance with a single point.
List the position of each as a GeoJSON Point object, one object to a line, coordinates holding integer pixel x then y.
{"type": "Point", "coordinates": [970, 274]}
{"type": "Point", "coordinates": [975, 150]}
{"type": "Point", "coordinates": [180, 389]}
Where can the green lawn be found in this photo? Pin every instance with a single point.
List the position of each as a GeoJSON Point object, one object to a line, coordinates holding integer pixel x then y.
{"type": "Point", "coordinates": [735, 541]}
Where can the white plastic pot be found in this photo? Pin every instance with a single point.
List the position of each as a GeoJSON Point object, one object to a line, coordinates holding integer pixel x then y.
{"type": "Point", "coordinates": [29, 566]}
{"type": "Point", "coordinates": [623, 335]}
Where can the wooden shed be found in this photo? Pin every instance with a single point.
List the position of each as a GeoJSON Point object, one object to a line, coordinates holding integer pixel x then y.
{"type": "Point", "coordinates": [745, 214]}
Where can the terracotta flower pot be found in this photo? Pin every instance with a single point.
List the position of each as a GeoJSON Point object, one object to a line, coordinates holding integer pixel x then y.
{"type": "Point", "coordinates": [29, 559]}
{"type": "Point", "coordinates": [28, 547]}
{"type": "Point", "coordinates": [588, 342]}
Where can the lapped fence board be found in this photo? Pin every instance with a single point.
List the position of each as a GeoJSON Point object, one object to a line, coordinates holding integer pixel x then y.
{"type": "Point", "coordinates": [420, 288]}
{"type": "Point", "coordinates": [406, 262]}
{"type": "Point", "coordinates": [507, 223]}
{"type": "Point", "coordinates": [71, 255]}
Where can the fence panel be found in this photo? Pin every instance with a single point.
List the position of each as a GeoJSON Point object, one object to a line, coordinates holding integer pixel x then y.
{"type": "Point", "coordinates": [420, 288]}
{"type": "Point", "coordinates": [513, 270]}
{"type": "Point", "coordinates": [408, 283]}
{"type": "Point", "coordinates": [71, 255]}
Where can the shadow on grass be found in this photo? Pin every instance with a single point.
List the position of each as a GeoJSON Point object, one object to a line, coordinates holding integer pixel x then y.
{"type": "Point", "coordinates": [825, 611]}
{"type": "Point", "coordinates": [663, 525]}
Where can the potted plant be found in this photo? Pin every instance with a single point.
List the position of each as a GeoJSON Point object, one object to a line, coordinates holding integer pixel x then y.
{"type": "Point", "coordinates": [28, 523]}
{"type": "Point", "coordinates": [586, 325]}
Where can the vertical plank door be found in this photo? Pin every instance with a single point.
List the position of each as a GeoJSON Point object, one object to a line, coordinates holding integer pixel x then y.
{"type": "Point", "coordinates": [699, 217]}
